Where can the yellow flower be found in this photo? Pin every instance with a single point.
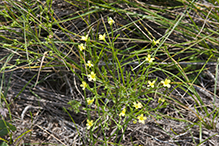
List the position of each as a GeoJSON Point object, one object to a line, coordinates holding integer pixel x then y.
{"type": "Point", "coordinates": [83, 85]}
{"type": "Point", "coordinates": [135, 121]}
{"type": "Point", "coordinates": [89, 124]}
{"type": "Point", "coordinates": [141, 119]}
{"type": "Point", "coordinates": [137, 105]}
{"type": "Point", "coordinates": [92, 76]}
{"type": "Point", "coordinates": [110, 21]}
{"type": "Point", "coordinates": [102, 37]}
{"type": "Point", "coordinates": [81, 47]}
{"type": "Point", "coordinates": [123, 112]}
{"type": "Point", "coordinates": [151, 83]}
{"type": "Point", "coordinates": [89, 64]}
{"type": "Point", "coordinates": [166, 83]}
{"type": "Point", "coordinates": [84, 38]}
{"type": "Point", "coordinates": [161, 100]}
{"type": "Point", "coordinates": [90, 101]}
{"type": "Point", "coordinates": [149, 59]}
{"type": "Point", "coordinates": [155, 42]}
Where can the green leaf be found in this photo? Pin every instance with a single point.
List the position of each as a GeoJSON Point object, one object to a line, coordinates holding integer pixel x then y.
{"type": "Point", "coordinates": [5, 127]}
{"type": "Point", "coordinates": [3, 144]}
{"type": "Point", "coordinates": [74, 106]}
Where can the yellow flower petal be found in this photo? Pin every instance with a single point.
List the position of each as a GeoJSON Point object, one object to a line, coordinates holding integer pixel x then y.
{"type": "Point", "coordinates": [141, 119]}
{"type": "Point", "coordinates": [137, 105]}
{"type": "Point", "coordinates": [161, 100]}
{"type": "Point", "coordinates": [102, 37]}
{"type": "Point", "coordinates": [123, 112]}
{"type": "Point", "coordinates": [83, 85]}
{"type": "Point", "coordinates": [81, 47]}
{"type": "Point", "coordinates": [110, 21]}
{"type": "Point", "coordinates": [89, 123]}
{"type": "Point", "coordinates": [166, 83]}
{"type": "Point", "coordinates": [155, 42]}
{"type": "Point", "coordinates": [90, 101]}
{"type": "Point", "coordinates": [151, 84]}
{"type": "Point", "coordinates": [89, 64]}
{"type": "Point", "coordinates": [84, 38]}
{"type": "Point", "coordinates": [149, 59]}
{"type": "Point", "coordinates": [91, 76]}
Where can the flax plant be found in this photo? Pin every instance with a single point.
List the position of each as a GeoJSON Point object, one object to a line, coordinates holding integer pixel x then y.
{"type": "Point", "coordinates": [118, 104]}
